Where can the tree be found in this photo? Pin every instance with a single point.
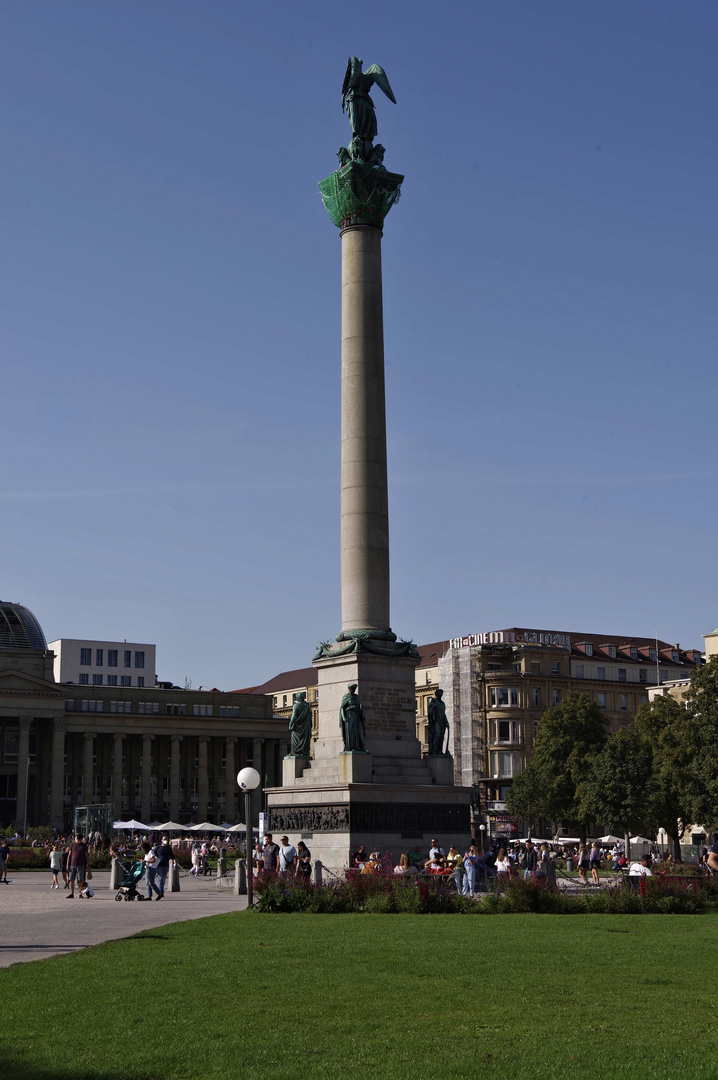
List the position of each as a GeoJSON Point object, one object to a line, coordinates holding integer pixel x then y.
{"type": "Point", "coordinates": [617, 789]}
{"type": "Point", "coordinates": [523, 799]}
{"type": "Point", "coordinates": [673, 793]}
{"type": "Point", "coordinates": [701, 738]}
{"type": "Point", "coordinates": [569, 737]}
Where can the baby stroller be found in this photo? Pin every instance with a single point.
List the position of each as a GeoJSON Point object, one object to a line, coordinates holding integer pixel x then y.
{"type": "Point", "coordinates": [128, 887]}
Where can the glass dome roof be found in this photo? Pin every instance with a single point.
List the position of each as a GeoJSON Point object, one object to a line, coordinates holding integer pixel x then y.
{"type": "Point", "coordinates": [19, 629]}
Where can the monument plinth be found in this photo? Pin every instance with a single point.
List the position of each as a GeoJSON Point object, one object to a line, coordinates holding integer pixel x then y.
{"type": "Point", "coordinates": [366, 782]}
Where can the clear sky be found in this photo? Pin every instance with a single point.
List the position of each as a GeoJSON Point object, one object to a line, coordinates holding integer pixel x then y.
{"type": "Point", "coordinates": [169, 340]}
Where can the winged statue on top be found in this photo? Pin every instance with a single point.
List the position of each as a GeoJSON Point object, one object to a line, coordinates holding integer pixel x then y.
{"type": "Point", "coordinates": [362, 117]}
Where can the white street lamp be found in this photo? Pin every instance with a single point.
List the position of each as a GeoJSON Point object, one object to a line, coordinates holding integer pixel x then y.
{"type": "Point", "coordinates": [248, 779]}
{"type": "Point", "coordinates": [662, 834]}
{"type": "Point", "coordinates": [482, 830]}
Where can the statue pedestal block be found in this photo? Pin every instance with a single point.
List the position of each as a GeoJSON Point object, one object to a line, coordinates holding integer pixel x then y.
{"type": "Point", "coordinates": [354, 768]}
{"type": "Point", "coordinates": [292, 768]}
{"type": "Point", "coordinates": [441, 767]}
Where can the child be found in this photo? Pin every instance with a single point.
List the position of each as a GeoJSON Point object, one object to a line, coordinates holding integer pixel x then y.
{"type": "Point", "coordinates": [87, 892]}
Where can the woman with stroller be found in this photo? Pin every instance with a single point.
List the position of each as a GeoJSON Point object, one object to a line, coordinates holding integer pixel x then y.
{"type": "Point", "coordinates": [149, 858]}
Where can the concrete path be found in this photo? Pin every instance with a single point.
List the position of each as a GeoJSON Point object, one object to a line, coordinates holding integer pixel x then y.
{"type": "Point", "coordinates": [38, 921]}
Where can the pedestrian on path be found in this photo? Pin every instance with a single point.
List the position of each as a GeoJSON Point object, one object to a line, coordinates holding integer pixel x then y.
{"type": "Point", "coordinates": [78, 860]}
{"type": "Point", "coordinates": [55, 866]}
{"type": "Point", "coordinates": [150, 861]}
{"type": "Point", "coordinates": [165, 855]}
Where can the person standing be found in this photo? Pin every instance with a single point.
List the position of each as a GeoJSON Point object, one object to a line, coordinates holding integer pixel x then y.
{"type": "Point", "coordinates": [164, 855]}
{"type": "Point", "coordinates": [270, 854]}
{"type": "Point", "coordinates": [470, 860]}
{"type": "Point", "coordinates": [4, 856]}
{"type": "Point", "coordinates": [583, 863]}
{"type": "Point", "coordinates": [287, 856]}
{"type": "Point", "coordinates": [55, 866]}
{"type": "Point", "coordinates": [304, 861]}
{"type": "Point", "coordinates": [595, 862]}
{"type": "Point", "coordinates": [150, 861]}
{"type": "Point", "coordinates": [529, 860]}
{"type": "Point", "coordinates": [78, 861]}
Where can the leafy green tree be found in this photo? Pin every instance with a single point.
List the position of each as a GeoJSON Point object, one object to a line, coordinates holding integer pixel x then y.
{"type": "Point", "coordinates": [523, 798]}
{"type": "Point", "coordinates": [570, 736]}
{"type": "Point", "coordinates": [672, 797]}
{"type": "Point", "coordinates": [616, 792]}
{"type": "Point", "coordinates": [701, 744]}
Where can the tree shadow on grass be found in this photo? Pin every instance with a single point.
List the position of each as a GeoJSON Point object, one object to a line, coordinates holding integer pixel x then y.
{"type": "Point", "coordinates": [28, 1070]}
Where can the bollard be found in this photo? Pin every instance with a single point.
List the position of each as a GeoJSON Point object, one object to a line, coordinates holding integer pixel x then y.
{"type": "Point", "coordinates": [317, 872]}
{"type": "Point", "coordinates": [116, 874]}
{"type": "Point", "coordinates": [221, 866]}
{"type": "Point", "coordinates": [174, 878]}
{"type": "Point", "coordinates": [240, 878]}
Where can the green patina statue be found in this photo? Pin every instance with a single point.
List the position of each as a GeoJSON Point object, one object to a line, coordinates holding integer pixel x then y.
{"type": "Point", "coordinates": [351, 721]}
{"type": "Point", "coordinates": [361, 191]}
{"type": "Point", "coordinates": [438, 725]}
{"type": "Point", "coordinates": [300, 726]}
{"type": "Point", "coordinates": [362, 117]}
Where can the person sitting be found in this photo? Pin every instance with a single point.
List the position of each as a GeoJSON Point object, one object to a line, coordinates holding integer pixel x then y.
{"type": "Point", "coordinates": [435, 865]}
{"type": "Point", "coordinates": [404, 865]}
{"type": "Point", "coordinates": [359, 858]}
{"type": "Point", "coordinates": [371, 866]}
{"type": "Point", "coordinates": [416, 858]}
{"type": "Point", "coordinates": [639, 870]}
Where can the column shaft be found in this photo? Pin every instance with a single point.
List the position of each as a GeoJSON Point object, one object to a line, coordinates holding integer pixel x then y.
{"type": "Point", "coordinates": [202, 779]}
{"type": "Point", "coordinates": [146, 784]}
{"type": "Point", "coordinates": [57, 774]}
{"type": "Point", "coordinates": [364, 500]}
{"type": "Point", "coordinates": [87, 767]}
{"type": "Point", "coordinates": [23, 751]}
{"type": "Point", "coordinates": [117, 738]}
{"type": "Point", "coordinates": [230, 782]}
{"type": "Point", "coordinates": [175, 741]}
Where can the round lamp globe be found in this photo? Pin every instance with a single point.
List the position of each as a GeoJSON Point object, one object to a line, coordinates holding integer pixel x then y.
{"type": "Point", "coordinates": [248, 779]}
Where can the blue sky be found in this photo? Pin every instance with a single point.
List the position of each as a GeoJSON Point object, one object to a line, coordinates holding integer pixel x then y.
{"type": "Point", "coordinates": [169, 344]}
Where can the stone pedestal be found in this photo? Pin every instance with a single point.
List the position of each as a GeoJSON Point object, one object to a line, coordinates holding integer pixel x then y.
{"type": "Point", "coordinates": [293, 767]}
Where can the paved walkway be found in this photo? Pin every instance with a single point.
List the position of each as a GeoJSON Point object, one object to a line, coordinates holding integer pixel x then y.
{"type": "Point", "coordinates": [36, 921]}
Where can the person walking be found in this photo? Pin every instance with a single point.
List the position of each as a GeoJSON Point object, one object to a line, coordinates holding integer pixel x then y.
{"type": "Point", "coordinates": [583, 864]}
{"type": "Point", "coordinates": [78, 863]}
{"type": "Point", "coordinates": [270, 854]}
{"type": "Point", "coordinates": [471, 858]}
{"type": "Point", "coordinates": [4, 856]}
{"type": "Point", "coordinates": [304, 862]}
{"type": "Point", "coordinates": [595, 862]}
{"type": "Point", "coordinates": [150, 861]}
{"type": "Point", "coordinates": [529, 860]}
{"type": "Point", "coordinates": [287, 857]}
{"type": "Point", "coordinates": [503, 864]}
{"type": "Point", "coordinates": [164, 855]}
{"type": "Point", "coordinates": [55, 866]}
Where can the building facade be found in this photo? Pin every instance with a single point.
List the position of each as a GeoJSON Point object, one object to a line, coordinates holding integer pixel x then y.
{"type": "Point", "coordinates": [153, 753]}
{"type": "Point", "coordinates": [103, 663]}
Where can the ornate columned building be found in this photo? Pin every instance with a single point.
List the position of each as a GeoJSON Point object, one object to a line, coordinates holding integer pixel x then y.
{"type": "Point", "coordinates": [152, 752]}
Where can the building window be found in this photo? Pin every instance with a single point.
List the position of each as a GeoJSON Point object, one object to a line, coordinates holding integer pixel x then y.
{"type": "Point", "coordinates": [112, 680]}
{"type": "Point", "coordinates": [125, 680]}
{"type": "Point", "coordinates": [602, 701]}
{"type": "Point", "coordinates": [112, 657]}
{"type": "Point", "coordinates": [579, 671]}
{"type": "Point", "coordinates": [276, 701]}
{"type": "Point", "coordinates": [140, 680]}
{"type": "Point", "coordinates": [128, 658]}
{"type": "Point", "coordinates": [500, 696]}
{"type": "Point", "coordinates": [284, 700]}
{"type": "Point", "coordinates": [507, 731]}
{"type": "Point", "coordinates": [643, 675]}
{"type": "Point", "coordinates": [622, 674]}
{"type": "Point", "coordinates": [536, 695]}
{"type": "Point", "coordinates": [557, 697]}
{"type": "Point", "coordinates": [175, 710]}
{"type": "Point", "coordinates": [97, 680]}
{"type": "Point", "coordinates": [84, 678]}
{"type": "Point", "coordinates": [535, 667]}
{"type": "Point", "coordinates": [600, 673]}
{"type": "Point", "coordinates": [516, 668]}
{"type": "Point", "coordinates": [505, 763]}
{"type": "Point", "coordinates": [612, 651]}
{"type": "Point", "coordinates": [652, 655]}
{"type": "Point", "coordinates": [624, 702]}
{"type": "Point", "coordinates": [86, 657]}
{"type": "Point", "coordinates": [589, 650]}
{"type": "Point", "coordinates": [634, 653]}
{"type": "Point", "coordinates": [139, 659]}
{"type": "Point", "coordinates": [202, 710]}
{"type": "Point", "coordinates": [642, 699]}
{"type": "Point", "coordinates": [122, 707]}
{"type": "Point", "coordinates": [556, 668]}
{"type": "Point", "coordinates": [676, 657]}
{"type": "Point", "coordinates": [99, 657]}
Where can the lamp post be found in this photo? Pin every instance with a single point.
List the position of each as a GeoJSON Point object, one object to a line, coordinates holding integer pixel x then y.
{"type": "Point", "coordinates": [482, 830]}
{"type": "Point", "coordinates": [662, 837]}
{"type": "Point", "coordinates": [248, 779]}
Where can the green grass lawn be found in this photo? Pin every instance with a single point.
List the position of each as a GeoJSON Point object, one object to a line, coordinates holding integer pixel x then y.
{"type": "Point", "coordinates": [259, 997]}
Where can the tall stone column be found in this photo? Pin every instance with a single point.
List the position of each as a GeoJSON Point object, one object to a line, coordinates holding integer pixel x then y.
{"type": "Point", "coordinates": [364, 500]}
{"type": "Point", "coordinates": [202, 778]}
{"type": "Point", "coordinates": [23, 751]}
{"type": "Point", "coordinates": [117, 750]}
{"type": "Point", "coordinates": [175, 741]}
{"type": "Point", "coordinates": [87, 767]}
{"type": "Point", "coordinates": [57, 773]}
{"type": "Point", "coordinates": [230, 781]}
{"type": "Point", "coordinates": [146, 781]}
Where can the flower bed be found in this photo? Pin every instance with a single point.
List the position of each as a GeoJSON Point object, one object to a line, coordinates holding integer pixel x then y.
{"type": "Point", "coordinates": [382, 894]}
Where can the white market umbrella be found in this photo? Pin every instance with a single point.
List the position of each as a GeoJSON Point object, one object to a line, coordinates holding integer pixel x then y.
{"type": "Point", "coordinates": [119, 825]}
{"type": "Point", "coordinates": [610, 839]}
{"type": "Point", "coordinates": [130, 825]}
{"type": "Point", "coordinates": [155, 825]}
{"type": "Point", "coordinates": [206, 826]}
{"type": "Point", "coordinates": [171, 826]}
{"type": "Point", "coordinates": [640, 840]}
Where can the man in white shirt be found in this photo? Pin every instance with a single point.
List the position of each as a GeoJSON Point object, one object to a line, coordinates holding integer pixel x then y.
{"type": "Point", "coordinates": [435, 849]}
{"type": "Point", "coordinates": [640, 869]}
{"type": "Point", "coordinates": [287, 857]}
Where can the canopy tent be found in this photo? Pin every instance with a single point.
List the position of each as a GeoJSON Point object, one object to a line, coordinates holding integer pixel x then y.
{"type": "Point", "coordinates": [241, 828]}
{"type": "Point", "coordinates": [155, 825]}
{"type": "Point", "coordinates": [226, 826]}
{"type": "Point", "coordinates": [171, 826]}
{"type": "Point", "coordinates": [610, 839]}
{"type": "Point", "coordinates": [640, 840]}
{"type": "Point", "coordinates": [206, 826]}
{"type": "Point", "coordinates": [130, 826]}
